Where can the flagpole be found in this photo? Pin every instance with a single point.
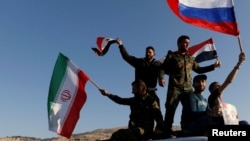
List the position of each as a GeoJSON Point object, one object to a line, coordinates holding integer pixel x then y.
{"type": "Point", "coordinates": [240, 45]}
{"type": "Point", "coordinates": [94, 84]}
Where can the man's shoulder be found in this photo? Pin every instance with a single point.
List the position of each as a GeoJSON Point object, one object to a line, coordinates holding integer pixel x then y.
{"type": "Point", "coordinates": [151, 98]}
{"type": "Point", "coordinates": [198, 96]}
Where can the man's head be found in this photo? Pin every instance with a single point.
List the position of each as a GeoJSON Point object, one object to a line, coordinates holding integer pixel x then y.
{"type": "Point", "coordinates": [139, 88]}
{"type": "Point", "coordinates": [213, 86]}
{"type": "Point", "coordinates": [199, 83]}
{"type": "Point", "coordinates": [213, 99]}
{"type": "Point", "coordinates": [150, 53]}
{"type": "Point", "coordinates": [183, 43]}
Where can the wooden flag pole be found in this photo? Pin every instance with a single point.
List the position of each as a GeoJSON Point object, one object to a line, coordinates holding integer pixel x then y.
{"type": "Point", "coordinates": [94, 84]}
{"type": "Point", "coordinates": [240, 45]}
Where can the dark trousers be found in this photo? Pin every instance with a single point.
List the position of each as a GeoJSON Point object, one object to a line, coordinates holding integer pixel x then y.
{"type": "Point", "coordinates": [174, 96]}
{"type": "Point", "coordinates": [130, 134]}
{"type": "Point", "coordinates": [153, 93]}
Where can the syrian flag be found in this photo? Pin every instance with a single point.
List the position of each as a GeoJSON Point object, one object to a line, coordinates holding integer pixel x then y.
{"type": "Point", "coordinates": [66, 96]}
{"type": "Point", "coordinates": [203, 51]}
{"type": "Point", "coordinates": [103, 44]}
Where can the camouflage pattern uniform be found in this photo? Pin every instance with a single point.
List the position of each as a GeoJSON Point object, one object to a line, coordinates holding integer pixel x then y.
{"type": "Point", "coordinates": [144, 112]}
{"type": "Point", "coordinates": [179, 68]}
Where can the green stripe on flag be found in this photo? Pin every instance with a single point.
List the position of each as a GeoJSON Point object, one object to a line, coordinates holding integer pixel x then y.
{"type": "Point", "coordinates": [56, 79]}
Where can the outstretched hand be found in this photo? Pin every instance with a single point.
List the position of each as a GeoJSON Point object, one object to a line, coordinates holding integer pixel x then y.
{"type": "Point", "coordinates": [104, 92]}
{"type": "Point", "coordinates": [217, 64]}
{"type": "Point", "coordinates": [242, 57]}
{"type": "Point", "coordinates": [119, 41]}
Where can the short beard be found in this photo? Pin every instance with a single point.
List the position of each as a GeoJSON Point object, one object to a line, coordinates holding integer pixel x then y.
{"type": "Point", "coordinates": [199, 90]}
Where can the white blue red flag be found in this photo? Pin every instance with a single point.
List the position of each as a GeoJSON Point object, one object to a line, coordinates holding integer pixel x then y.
{"type": "Point", "coordinates": [217, 15]}
{"type": "Point", "coordinates": [203, 51]}
{"type": "Point", "coordinates": [103, 44]}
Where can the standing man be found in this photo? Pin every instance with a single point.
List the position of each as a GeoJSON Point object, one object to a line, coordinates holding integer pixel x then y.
{"type": "Point", "coordinates": [145, 112]}
{"type": "Point", "coordinates": [179, 66]}
{"type": "Point", "coordinates": [146, 68]}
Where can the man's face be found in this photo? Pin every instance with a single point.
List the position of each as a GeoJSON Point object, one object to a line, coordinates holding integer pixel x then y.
{"type": "Point", "coordinates": [150, 54]}
{"type": "Point", "coordinates": [137, 91]}
{"type": "Point", "coordinates": [214, 87]}
{"type": "Point", "coordinates": [200, 85]}
{"type": "Point", "coordinates": [134, 89]}
{"type": "Point", "coordinates": [183, 45]}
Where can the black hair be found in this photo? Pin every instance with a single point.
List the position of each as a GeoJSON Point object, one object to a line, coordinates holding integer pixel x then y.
{"type": "Point", "coordinates": [150, 47]}
{"type": "Point", "coordinates": [212, 85]}
{"type": "Point", "coordinates": [181, 38]}
{"type": "Point", "coordinates": [139, 83]}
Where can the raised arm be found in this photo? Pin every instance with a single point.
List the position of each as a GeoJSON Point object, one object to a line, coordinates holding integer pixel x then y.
{"type": "Point", "coordinates": [233, 73]}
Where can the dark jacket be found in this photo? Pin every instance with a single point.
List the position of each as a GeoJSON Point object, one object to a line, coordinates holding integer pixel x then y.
{"type": "Point", "coordinates": [148, 72]}
{"type": "Point", "coordinates": [144, 111]}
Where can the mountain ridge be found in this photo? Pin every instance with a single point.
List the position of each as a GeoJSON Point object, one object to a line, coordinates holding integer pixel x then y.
{"type": "Point", "coordinates": [97, 134]}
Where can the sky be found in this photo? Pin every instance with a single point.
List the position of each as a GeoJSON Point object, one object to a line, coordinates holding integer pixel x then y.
{"type": "Point", "coordinates": [34, 32]}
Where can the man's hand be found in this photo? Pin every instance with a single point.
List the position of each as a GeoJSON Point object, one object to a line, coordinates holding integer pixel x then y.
{"type": "Point", "coordinates": [217, 64]}
{"type": "Point", "coordinates": [215, 111]}
{"type": "Point", "coordinates": [104, 92]}
{"type": "Point", "coordinates": [162, 82]}
{"type": "Point", "coordinates": [119, 41]}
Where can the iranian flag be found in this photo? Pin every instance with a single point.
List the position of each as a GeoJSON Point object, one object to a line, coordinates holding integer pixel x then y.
{"type": "Point", "coordinates": [66, 96]}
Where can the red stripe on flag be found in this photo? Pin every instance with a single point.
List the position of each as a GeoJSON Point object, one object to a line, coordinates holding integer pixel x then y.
{"type": "Point", "coordinates": [223, 27]}
{"type": "Point", "coordinates": [99, 42]}
{"type": "Point", "coordinates": [77, 104]}
{"type": "Point", "coordinates": [193, 49]}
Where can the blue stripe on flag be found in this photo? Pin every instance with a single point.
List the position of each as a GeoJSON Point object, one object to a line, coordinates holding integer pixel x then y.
{"type": "Point", "coordinates": [211, 14]}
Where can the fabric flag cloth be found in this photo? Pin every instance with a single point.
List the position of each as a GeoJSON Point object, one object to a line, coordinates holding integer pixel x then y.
{"type": "Point", "coordinates": [66, 96]}
{"type": "Point", "coordinates": [229, 113]}
{"type": "Point", "coordinates": [103, 44]}
{"type": "Point", "coordinates": [203, 51]}
{"type": "Point", "coordinates": [217, 15]}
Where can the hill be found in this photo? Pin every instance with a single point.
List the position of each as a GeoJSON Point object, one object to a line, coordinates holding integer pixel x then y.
{"type": "Point", "coordinates": [87, 136]}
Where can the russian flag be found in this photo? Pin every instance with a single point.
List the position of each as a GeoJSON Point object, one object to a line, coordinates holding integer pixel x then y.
{"type": "Point", "coordinates": [203, 51]}
{"type": "Point", "coordinates": [217, 15]}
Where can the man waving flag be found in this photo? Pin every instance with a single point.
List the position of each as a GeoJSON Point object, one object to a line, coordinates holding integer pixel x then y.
{"type": "Point", "coordinates": [66, 96]}
{"type": "Point", "coordinates": [217, 15]}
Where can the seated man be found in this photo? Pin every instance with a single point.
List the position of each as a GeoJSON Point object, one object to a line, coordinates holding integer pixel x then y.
{"type": "Point", "coordinates": [144, 113]}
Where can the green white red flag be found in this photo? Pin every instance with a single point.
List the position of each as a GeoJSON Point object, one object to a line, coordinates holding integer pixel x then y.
{"type": "Point", "coordinates": [66, 96]}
